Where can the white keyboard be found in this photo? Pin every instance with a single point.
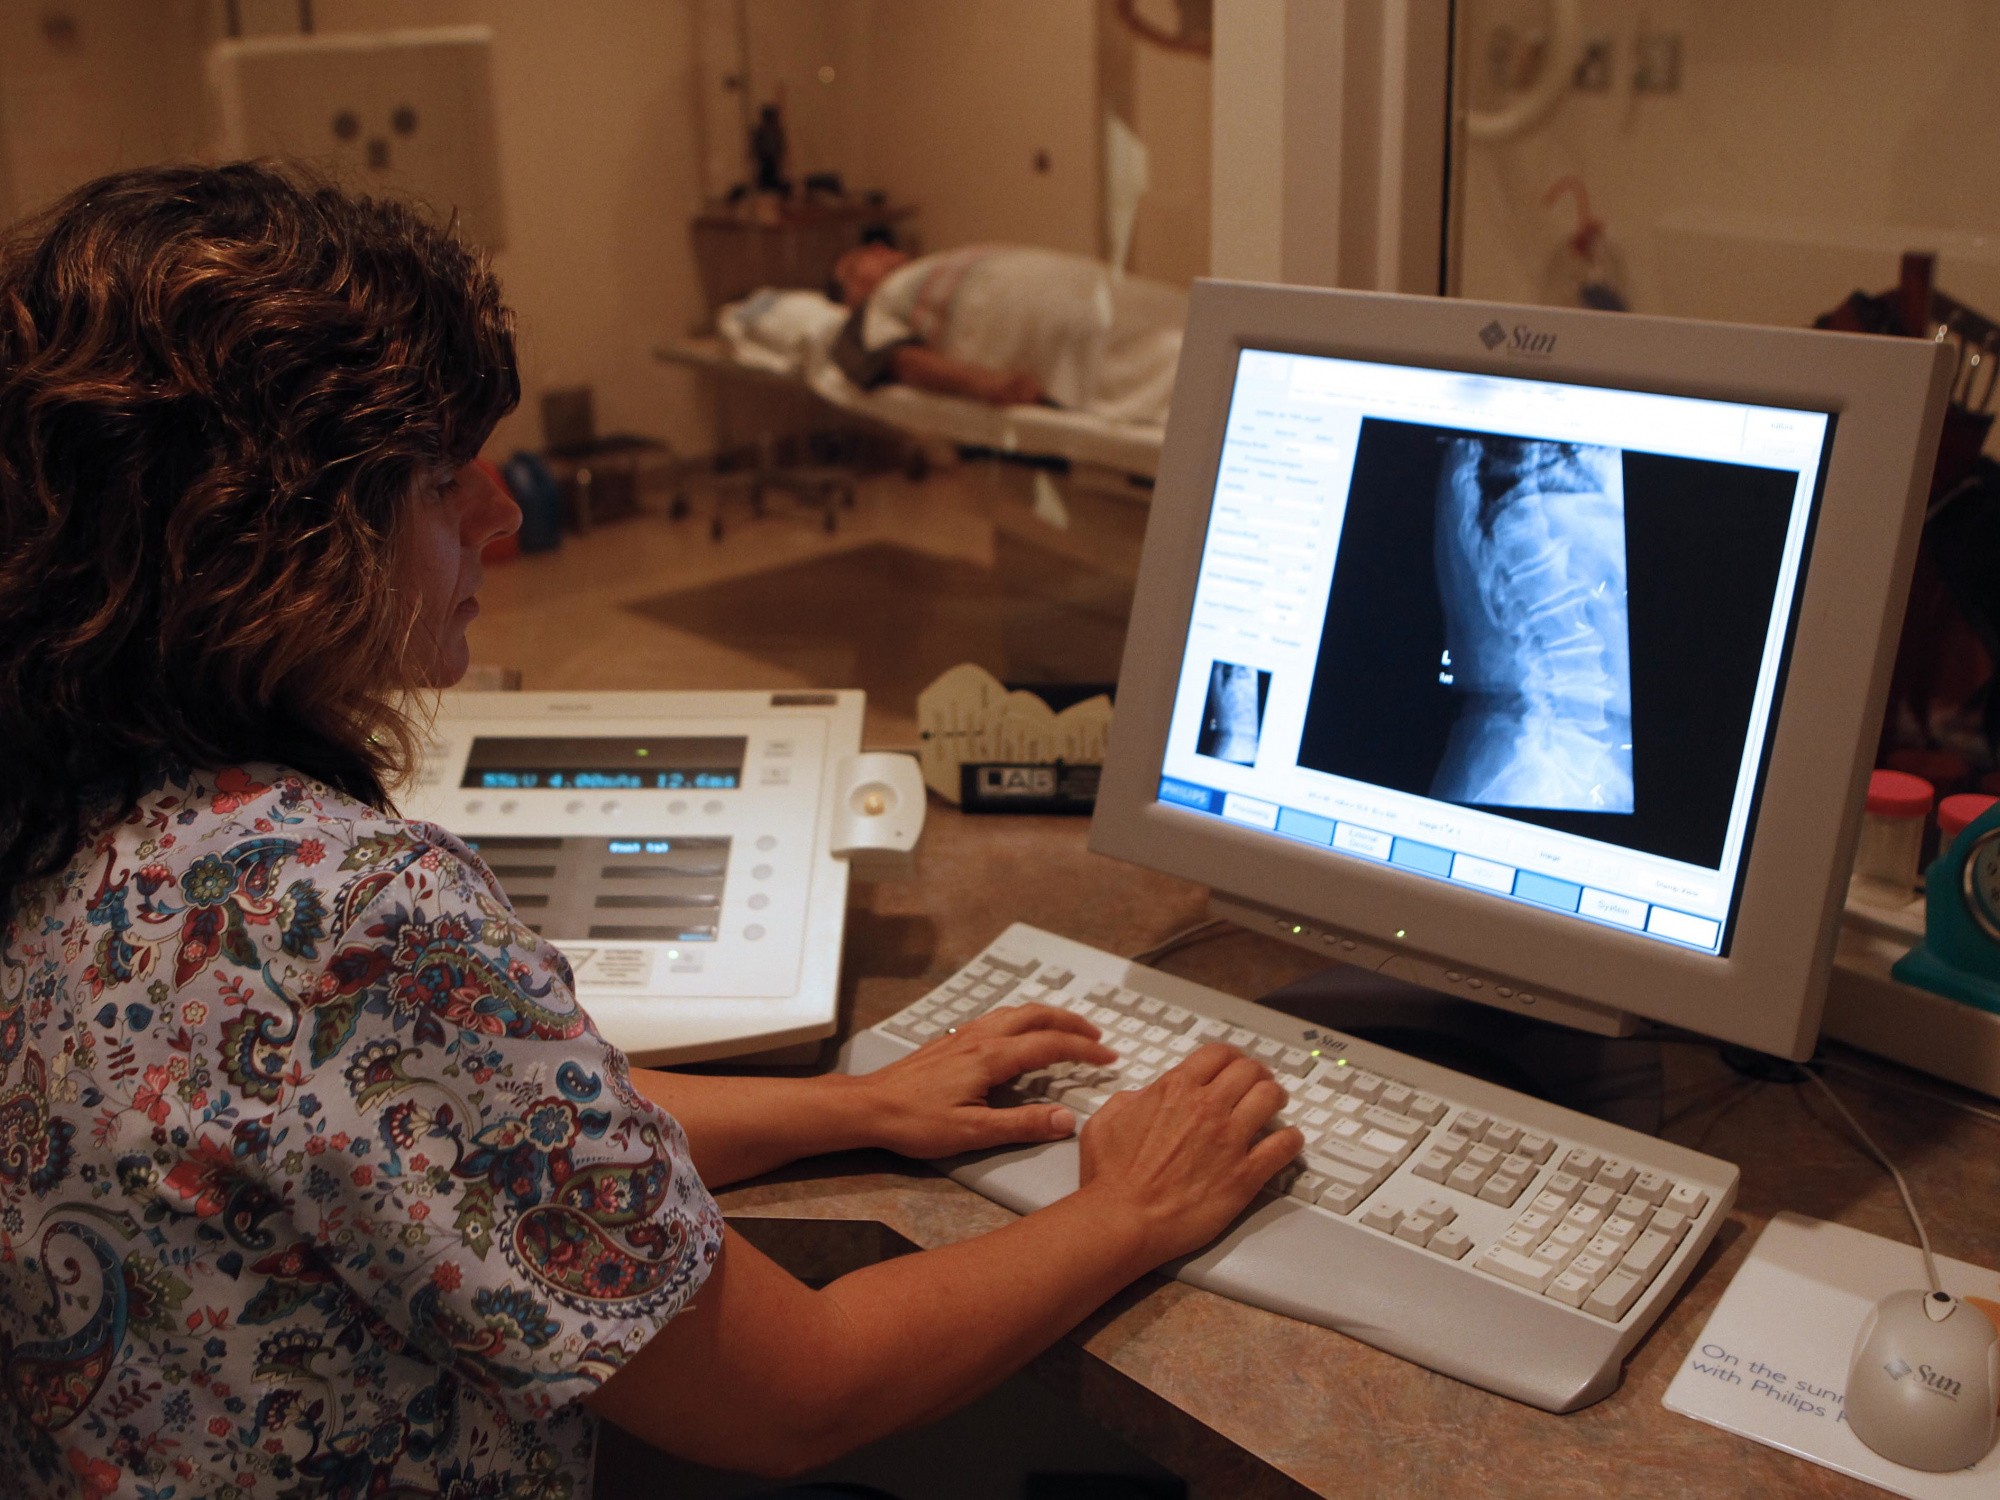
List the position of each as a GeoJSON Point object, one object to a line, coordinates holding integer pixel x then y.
{"type": "Point", "coordinates": [1512, 1244]}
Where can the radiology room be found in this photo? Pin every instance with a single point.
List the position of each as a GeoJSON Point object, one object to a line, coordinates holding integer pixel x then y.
{"type": "Point", "coordinates": [999, 749]}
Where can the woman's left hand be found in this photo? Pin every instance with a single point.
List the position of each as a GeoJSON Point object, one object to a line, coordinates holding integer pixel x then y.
{"type": "Point", "coordinates": [933, 1102]}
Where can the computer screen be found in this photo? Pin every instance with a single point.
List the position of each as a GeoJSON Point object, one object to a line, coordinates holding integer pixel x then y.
{"type": "Point", "coordinates": [1541, 650]}
{"type": "Point", "coordinates": [1518, 634]}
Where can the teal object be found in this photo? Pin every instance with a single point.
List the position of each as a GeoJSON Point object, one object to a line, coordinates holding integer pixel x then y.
{"type": "Point", "coordinates": [1959, 957]}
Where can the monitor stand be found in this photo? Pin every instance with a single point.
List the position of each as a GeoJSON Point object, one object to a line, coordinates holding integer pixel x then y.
{"type": "Point", "coordinates": [1613, 1078]}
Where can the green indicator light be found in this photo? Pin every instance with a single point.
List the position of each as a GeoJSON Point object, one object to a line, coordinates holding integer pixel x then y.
{"type": "Point", "coordinates": [1315, 1052]}
{"type": "Point", "coordinates": [1297, 930]}
{"type": "Point", "coordinates": [1340, 1062]}
{"type": "Point", "coordinates": [1400, 932]}
{"type": "Point", "coordinates": [642, 750]}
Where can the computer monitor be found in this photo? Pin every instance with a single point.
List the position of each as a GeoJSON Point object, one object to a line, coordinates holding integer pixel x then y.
{"type": "Point", "coordinates": [1534, 655]}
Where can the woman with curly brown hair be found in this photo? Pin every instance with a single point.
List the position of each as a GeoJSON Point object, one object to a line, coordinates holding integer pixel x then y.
{"type": "Point", "coordinates": [314, 1179]}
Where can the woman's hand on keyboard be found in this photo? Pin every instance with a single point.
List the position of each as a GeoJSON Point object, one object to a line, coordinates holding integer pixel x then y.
{"type": "Point", "coordinates": [933, 1102]}
{"type": "Point", "coordinates": [1186, 1154]}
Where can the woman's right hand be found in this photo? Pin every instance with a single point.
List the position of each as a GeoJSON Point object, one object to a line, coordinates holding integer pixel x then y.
{"type": "Point", "coordinates": [1182, 1157]}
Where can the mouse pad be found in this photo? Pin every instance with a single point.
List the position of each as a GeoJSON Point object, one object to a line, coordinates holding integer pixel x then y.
{"type": "Point", "coordinates": [1771, 1362]}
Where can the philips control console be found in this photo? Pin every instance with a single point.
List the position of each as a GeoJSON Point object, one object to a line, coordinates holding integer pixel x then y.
{"type": "Point", "coordinates": [689, 852]}
{"type": "Point", "coordinates": [1532, 655]}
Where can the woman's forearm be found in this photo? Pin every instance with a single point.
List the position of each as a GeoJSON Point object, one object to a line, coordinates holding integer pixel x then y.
{"type": "Point", "coordinates": [738, 1127]}
{"type": "Point", "coordinates": [762, 1374]}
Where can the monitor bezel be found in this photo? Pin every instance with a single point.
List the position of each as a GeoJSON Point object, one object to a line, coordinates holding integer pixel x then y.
{"type": "Point", "coordinates": [1887, 399]}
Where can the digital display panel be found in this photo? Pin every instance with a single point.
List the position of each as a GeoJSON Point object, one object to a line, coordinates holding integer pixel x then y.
{"type": "Point", "coordinates": [1522, 636]}
{"type": "Point", "coordinates": [592, 763]}
{"type": "Point", "coordinates": [655, 889]}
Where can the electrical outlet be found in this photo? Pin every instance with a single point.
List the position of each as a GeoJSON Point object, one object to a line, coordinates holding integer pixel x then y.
{"type": "Point", "coordinates": [1656, 62]}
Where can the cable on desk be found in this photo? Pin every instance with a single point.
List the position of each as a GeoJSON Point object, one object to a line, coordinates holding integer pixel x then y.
{"type": "Point", "coordinates": [1910, 1088]}
{"type": "Point", "coordinates": [1200, 932]}
{"type": "Point", "coordinates": [1909, 1203]}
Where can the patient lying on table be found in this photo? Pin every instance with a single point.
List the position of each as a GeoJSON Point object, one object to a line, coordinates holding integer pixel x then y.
{"type": "Point", "coordinates": [1010, 325]}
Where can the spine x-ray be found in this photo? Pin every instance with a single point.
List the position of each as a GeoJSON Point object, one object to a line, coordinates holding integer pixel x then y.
{"type": "Point", "coordinates": [1233, 721]}
{"type": "Point", "coordinates": [1530, 557]}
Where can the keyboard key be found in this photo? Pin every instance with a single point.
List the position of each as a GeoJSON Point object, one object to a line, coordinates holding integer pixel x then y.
{"type": "Point", "coordinates": [1011, 961]}
{"type": "Point", "coordinates": [1598, 1196]}
{"type": "Point", "coordinates": [1397, 1096]}
{"type": "Point", "coordinates": [1267, 1050]}
{"type": "Point", "coordinates": [1307, 1186]}
{"type": "Point", "coordinates": [1395, 1124]}
{"type": "Point", "coordinates": [1176, 1019]}
{"type": "Point", "coordinates": [1392, 1146]}
{"type": "Point", "coordinates": [1338, 1153]}
{"type": "Point", "coordinates": [1591, 1266]}
{"type": "Point", "coordinates": [1552, 1204]}
{"type": "Point", "coordinates": [1366, 1086]}
{"type": "Point", "coordinates": [1553, 1253]}
{"type": "Point", "coordinates": [1521, 1270]}
{"type": "Point", "coordinates": [1517, 1165]}
{"type": "Point", "coordinates": [1383, 1216]}
{"type": "Point", "coordinates": [1617, 1175]}
{"type": "Point", "coordinates": [1569, 1289]}
{"type": "Point", "coordinates": [1241, 1039]}
{"type": "Point", "coordinates": [1055, 978]}
{"type": "Point", "coordinates": [1672, 1224]}
{"type": "Point", "coordinates": [1341, 1197]}
{"type": "Point", "coordinates": [1435, 1166]}
{"type": "Point", "coordinates": [1536, 1223]}
{"type": "Point", "coordinates": [1437, 1208]}
{"type": "Point", "coordinates": [1451, 1242]}
{"type": "Point", "coordinates": [1635, 1208]}
{"type": "Point", "coordinates": [1181, 1046]}
{"type": "Point", "coordinates": [1651, 1186]}
{"type": "Point", "coordinates": [1452, 1144]}
{"type": "Point", "coordinates": [1502, 1189]}
{"type": "Point", "coordinates": [1564, 1185]}
{"type": "Point", "coordinates": [1153, 1057]}
{"type": "Point", "coordinates": [1317, 1093]}
{"type": "Point", "coordinates": [1426, 1107]}
{"type": "Point", "coordinates": [1159, 1036]}
{"type": "Point", "coordinates": [1151, 1008]}
{"type": "Point", "coordinates": [1471, 1124]}
{"type": "Point", "coordinates": [1610, 1250]}
{"type": "Point", "coordinates": [1619, 1230]}
{"type": "Point", "coordinates": [1417, 1229]}
{"type": "Point", "coordinates": [1584, 1216]}
{"type": "Point", "coordinates": [1502, 1135]}
{"type": "Point", "coordinates": [1648, 1253]}
{"type": "Point", "coordinates": [1130, 1026]}
{"type": "Point", "coordinates": [1582, 1162]}
{"type": "Point", "coordinates": [1295, 1060]}
{"type": "Point", "coordinates": [1614, 1295]}
{"type": "Point", "coordinates": [1537, 1148]}
{"type": "Point", "coordinates": [1686, 1198]}
{"type": "Point", "coordinates": [1466, 1178]}
{"type": "Point", "coordinates": [1520, 1240]}
{"type": "Point", "coordinates": [1104, 1018]}
{"type": "Point", "coordinates": [1208, 1029]}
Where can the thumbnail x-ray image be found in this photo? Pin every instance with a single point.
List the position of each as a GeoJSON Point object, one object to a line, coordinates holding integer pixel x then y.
{"type": "Point", "coordinates": [1530, 557]}
{"type": "Point", "coordinates": [1234, 717]}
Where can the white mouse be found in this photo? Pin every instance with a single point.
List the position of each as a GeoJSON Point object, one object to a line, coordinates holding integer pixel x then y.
{"type": "Point", "coordinates": [1925, 1382]}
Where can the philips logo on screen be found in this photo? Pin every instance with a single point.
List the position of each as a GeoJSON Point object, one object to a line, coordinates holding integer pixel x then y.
{"type": "Point", "coordinates": [1520, 339]}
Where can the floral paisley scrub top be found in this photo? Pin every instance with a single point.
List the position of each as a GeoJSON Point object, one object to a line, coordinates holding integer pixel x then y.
{"type": "Point", "coordinates": [314, 1179]}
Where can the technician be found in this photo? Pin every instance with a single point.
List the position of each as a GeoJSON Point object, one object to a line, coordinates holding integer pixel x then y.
{"type": "Point", "coordinates": [314, 1178]}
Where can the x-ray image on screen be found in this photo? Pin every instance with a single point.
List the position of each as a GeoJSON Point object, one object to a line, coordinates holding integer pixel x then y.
{"type": "Point", "coordinates": [1233, 720]}
{"type": "Point", "coordinates": [1530, 556]}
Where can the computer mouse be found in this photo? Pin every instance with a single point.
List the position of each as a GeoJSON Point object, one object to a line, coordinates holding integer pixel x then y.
{"type": "Point", "coordinates": [1924, 1386]}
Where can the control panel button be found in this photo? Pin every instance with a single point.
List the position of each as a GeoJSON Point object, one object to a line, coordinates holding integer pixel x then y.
{"type": "Point", "coordinates": [677, 807]}
{"type": "Point", "coordinates": [713, 806]}
{"type": "Point", "coordinates": [761, 872]}
{"type": "Point", "coordinates": [759, 901]}
{"type": "Point", "coordinates": [476, 805]}
{"type": "Point", "coordinates": [510, 806]}
{"type": "Point", "coordinates": [753, 932]}
{"type": "Point", "coordinates": [613, 806]}
{"type": "Point", "coordinates": [573, 806]}
{"type": "Point", "coordinates": [767, 843]}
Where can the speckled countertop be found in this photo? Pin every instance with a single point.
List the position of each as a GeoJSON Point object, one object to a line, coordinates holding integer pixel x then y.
{"type": "Point", "coordinates": [1246, 1403]}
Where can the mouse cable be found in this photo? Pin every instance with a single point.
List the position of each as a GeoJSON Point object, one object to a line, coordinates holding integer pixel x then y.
{"type": "Point", "coordinates": [1909, 1203]}
{"type": "Point", "coordinates": [1935, 1096]}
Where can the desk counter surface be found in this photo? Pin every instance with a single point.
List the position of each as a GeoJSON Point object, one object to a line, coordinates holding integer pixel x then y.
{"type": "Point", "coordinates": [1246, 1403]}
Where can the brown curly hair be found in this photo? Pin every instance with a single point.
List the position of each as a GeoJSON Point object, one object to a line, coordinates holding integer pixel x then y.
{"type": "Point", "coordinates": [219, 390]}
